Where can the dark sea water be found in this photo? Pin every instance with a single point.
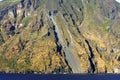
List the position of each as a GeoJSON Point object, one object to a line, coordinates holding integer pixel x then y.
{"type": "Point", "coordinates": [59, 76]}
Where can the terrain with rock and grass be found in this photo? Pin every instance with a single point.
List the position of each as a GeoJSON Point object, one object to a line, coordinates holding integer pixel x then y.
{"type": "Point", "coordinates": [59, 36]}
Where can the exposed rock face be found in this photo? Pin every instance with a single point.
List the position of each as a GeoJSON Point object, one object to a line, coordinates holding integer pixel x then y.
{"type": "Point", "coordinates": [57, 36]}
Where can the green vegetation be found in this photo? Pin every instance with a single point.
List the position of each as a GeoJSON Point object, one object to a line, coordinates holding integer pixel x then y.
{"type": "Point", "coordinates": [36, 47]}
{"type": "Point", "coordinates": [8, 3]}
{"type": "Point", "coordinates": [1, 39]}
{"type": "Point", "coordinates": [105, 26]}
{"type": "Point", "coordinates": [27, 20]}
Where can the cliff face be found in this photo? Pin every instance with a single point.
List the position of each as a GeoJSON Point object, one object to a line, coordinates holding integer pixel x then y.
{"type": "Point", "coordinates": [56, 36]}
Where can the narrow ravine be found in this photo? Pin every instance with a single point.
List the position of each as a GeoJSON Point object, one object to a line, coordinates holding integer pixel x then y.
{"type": "Point", "coordinates": [69, 55]}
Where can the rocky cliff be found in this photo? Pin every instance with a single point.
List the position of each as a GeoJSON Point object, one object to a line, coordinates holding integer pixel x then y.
{"type": "Point", "coordinates": [57, 36]}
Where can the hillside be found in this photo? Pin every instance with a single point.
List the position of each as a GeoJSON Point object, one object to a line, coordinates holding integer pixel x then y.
{"type": "Point", "coordinates": [59, 36]}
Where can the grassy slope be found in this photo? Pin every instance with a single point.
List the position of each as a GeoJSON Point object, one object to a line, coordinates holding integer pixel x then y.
{"type": "Point", "coordinates": [37, 55]}
{"type": "Point", "coordinates": [6, 3]}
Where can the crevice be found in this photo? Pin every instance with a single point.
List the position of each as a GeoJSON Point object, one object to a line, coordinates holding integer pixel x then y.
{"type": "Point", "coordinates": [60, 48]}
{"type": "Point", "coordinates": [92, 70]}
{"type": "Point", "coordinates": [15, 12]}
{"type": "Point", "coordinates": [55, 33]}
{"type": "Point", "coordinates": [90, 49]}
{"type": "Point", "coordinates": [22, 3]}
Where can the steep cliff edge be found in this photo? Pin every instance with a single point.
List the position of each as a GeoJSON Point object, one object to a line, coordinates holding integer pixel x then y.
{"type": "Point", "coordinates": [57, 36]}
